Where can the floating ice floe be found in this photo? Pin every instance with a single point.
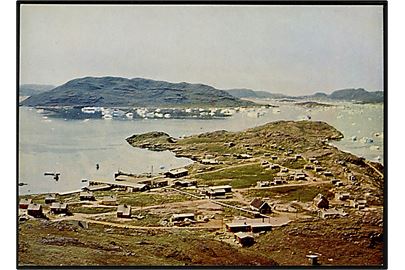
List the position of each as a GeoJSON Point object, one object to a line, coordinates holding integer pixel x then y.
{"type": "Point", "coordinates": [374, 147]}
{"type": "Point", "coordinates": [366, 140]}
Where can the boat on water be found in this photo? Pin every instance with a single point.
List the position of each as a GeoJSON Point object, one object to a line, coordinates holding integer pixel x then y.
{"type": "Point", "coordinates": [84, 180]}
{"type": "Point", "coordinates": [129, 115]}
{"type": "Point", "coordinates": [22, 184]}
{"type": "Point", "coordinates": [51, 173]}
{"type": "Point", "coordinates": [107, 117]}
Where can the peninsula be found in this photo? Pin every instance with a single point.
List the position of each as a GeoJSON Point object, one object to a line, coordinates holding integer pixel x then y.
{"type": "Point", "coordinates": [269, 195]}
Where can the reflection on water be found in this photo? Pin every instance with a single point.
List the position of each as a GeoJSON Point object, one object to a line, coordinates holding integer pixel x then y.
{"type": "Point", "coordinates": [74, 147]}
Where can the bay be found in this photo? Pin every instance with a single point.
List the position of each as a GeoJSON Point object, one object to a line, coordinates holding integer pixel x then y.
{"type": "Point", "coordinates": [74, 147]}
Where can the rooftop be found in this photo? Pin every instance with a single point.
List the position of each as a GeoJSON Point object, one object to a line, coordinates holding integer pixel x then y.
{"type": "Point", "coordinates": [257, 203]}
{"type": "Point", "coordinates": [185, 215]}
{"type": "Point", "coordinates": [25, 201]}
{"type": "Point", "coordinates": [243, 235]}
{"type": "Point", "coordinates": [57, 205]}
{"type": "Point", "coordinates": [124, 209]}
{"type": "Point", "coordinates": [220, 187]}
{"type": "Point", "coordinates": [34, 206]}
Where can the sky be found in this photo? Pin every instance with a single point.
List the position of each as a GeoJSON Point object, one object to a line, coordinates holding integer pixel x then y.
{"type": "Point", "coordinates": [293, 50]}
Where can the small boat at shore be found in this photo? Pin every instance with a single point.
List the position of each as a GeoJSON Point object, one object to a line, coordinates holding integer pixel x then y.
{"type": "Point", "coordinates": [22, 184]}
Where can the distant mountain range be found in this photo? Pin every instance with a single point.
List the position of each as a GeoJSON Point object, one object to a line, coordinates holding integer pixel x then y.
{"type": "Point", "coordinates": [123, 92]}
{"type": "Point", "coordinates": [357, 95]}
{"type": "Point", "coordinates": [33, 89]}
{"type": "Point", "coordinates": [249, 93]}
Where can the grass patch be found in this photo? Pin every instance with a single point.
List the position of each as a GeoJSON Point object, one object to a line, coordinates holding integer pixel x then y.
{"type": "Point", "coordinates": [238, 177]}
{"type": "Point", "coordinates": [287, 194]}
{"type": "Point", "coordinates": [78, 208]}
{"type": "Point", "coordinates": [147, 199]}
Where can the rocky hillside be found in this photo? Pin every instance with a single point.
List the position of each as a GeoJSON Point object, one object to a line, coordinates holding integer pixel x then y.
{"type": "Point", "coordinates": [123, 92]}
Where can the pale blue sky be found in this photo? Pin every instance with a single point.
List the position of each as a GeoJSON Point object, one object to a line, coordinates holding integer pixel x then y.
{"type": "Point", "coordinates": [286, 49]}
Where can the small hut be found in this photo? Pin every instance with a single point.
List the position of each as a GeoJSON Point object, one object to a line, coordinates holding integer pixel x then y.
{"type": "Point", "coordinates": [124, 211]}
{"type": "Point", "coordinates": [260, 206]}
{"type": "Point", "coordinates": [86, 196]}
{"type": "Point", "coordinates": [24, 203]}
{"type": "Point", "coordinates": [50, 198]}
{"type": "Point", "coordinates": [320, 201]}
{"type": "Point", "coordinates": [244, 239]}
{"type": "Point", "coordinates": [35, 210]}
{"type": "Point", "coordinates": [59, 208]}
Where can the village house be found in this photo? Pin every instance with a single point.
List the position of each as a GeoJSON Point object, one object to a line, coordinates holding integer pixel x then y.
{"type": "Point", "coordinates": [330, 213]}
{"type": "Point", "coordinates": [284, 170]}
{"type": "Point", "coordinates": [260, 206]}
{"type": "Point", "coordinates": [136, 187]}
{"type": "Point", "coordinates": [308, 167]}
{"type": "Point", "coordinates": [342, 196]}
{"type": "Point", "coordinates": [334, 181]}
{"type": "Point", "coordinates": [318, 169]}
{"type": "Point", "coordinates": [160, 183]}
{"type": "Point", "coordinates": [339, 184]}
{"type": "Point", "coordinates": [216, 193]}
{"type": "Point", "coordinates": [229, 144]}
{"type": "Point", "coordinates": [243, 156]}
{"type": "Point", "coordinates": [24, 203]}
{"type": "Point", "coordinates": [263, 184]}
{"type": "Point", "coordinates": [299, 176]}
{"type": "Point", "coordinates": [209, 161]}
{"type": "Point", "coordinates": [86, 196]}
{"type": "Point", "coordinates": [184, 183]}
{"type": "Point", "coordinates": [244, 239]}
{"type": "Point", "coordinates": [274, 157]}
{"type": "Point", "coordinates": [320, 201]}
{"type": "Point", "coordinates": [176, 173]}
{"type": "Point", "coordinates": [260, 227]}
{"type": "Point", "coordinates": [59, 208]}
{"type": "Point", "coordinates": [237, 227]}
{"type": "Point", "coordinates": [35, 210]}
{"type": "Point", "coordinates": [219, 192]}
{"type": "Point", "coordinates": [109, 200]}
{"type": "Point", "coordinates": [328, 173]}
{"type": "Point", "coordinates": [298, 156]}
{"type": "Point", "coordinates": [274, 166]}
{"type": "Point", "coordinates": [50, 198]}
{"type": "Point", "coordinates": [279, 181]}
{"type": "Point", "coordinates": [312, 159]}
{"type": "Point", "coordinates": [124, 211]}
{"type": "Point", "coordinates": [182, 217]}
{"type": "Point", "coordinates": [97, 187]}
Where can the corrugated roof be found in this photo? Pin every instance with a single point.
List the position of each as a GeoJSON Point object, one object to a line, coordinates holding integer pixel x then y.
{"type": "Point", "coordinates": [34, 206]}
{"type": "Point", "coordinates": [124, 209]}
{"type": "Point", "coordinates": [257, 203]}
{"type": "Point", "coordinates": [57, 205]}
{"type": "Point", "coordinates": [242, 235]}
{"type": "Point", "coordinates": [220, 187]}
{"type": "Point", "coordinates": [25, 201]}
{"type": "Point", "coordinates": [185, 215]}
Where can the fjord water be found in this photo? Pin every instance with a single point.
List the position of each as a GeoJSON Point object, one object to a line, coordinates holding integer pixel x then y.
{"type": "Point", "coordinates": [74, 147]}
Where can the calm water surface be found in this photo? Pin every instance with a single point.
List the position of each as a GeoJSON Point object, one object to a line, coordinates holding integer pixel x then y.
{"type": "Point", "coordinates": [74, 147]}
